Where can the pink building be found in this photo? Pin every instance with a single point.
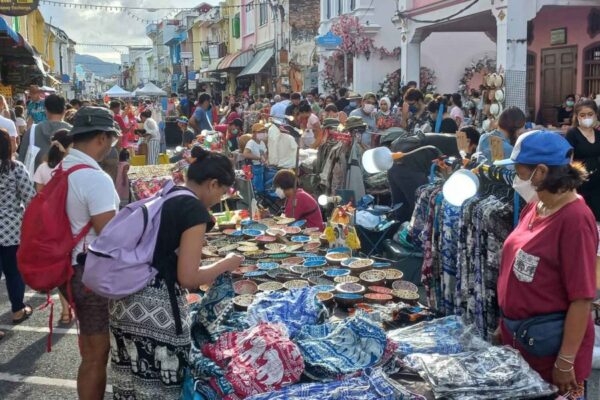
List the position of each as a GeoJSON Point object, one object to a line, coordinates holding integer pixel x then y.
{"type": "Point", "coordinates": [546, 49]}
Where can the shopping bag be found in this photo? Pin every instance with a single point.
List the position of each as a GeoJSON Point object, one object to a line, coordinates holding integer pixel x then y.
{"type": "Point", "coordinates": [32, 152]}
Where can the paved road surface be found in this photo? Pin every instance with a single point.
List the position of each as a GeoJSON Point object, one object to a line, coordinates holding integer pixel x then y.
{"type": "Point", "coordinates": [27, 371]}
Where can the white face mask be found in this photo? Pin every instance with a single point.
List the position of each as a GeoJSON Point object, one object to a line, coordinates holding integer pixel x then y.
{"type": "Point", "coordinates": [279, 192]}
{"type": "Point", "coordinates": [261, 136]}
{"type": "Point", "coordinates": [486, 125]}
{"type": "Point", "coordinates": [239, 110]}
{"type": "Point", "coordinates": [525, 188]}
{"type": "Point", "coordinates": [587, 122]}
{"type": "Point", "coordinates": [368, 108]}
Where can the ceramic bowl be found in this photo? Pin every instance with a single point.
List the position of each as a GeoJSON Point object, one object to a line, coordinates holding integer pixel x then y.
{"type": "Point", "coordinates": [254, 274]}
{"type": "Point", "coordinates": [405, 285]}
{"type": "Point", "coordinates": [311, 246]}
{"type": "Point", "coordinates": [255, 254]}
{"type": "Point", "coordinates": [299, 223]}
{"type": "Point", "coordinates": [346, 263]}
{"type": "Point", "coordinates": [228, 249]}
{"type": "Point", "coordinates": [392, 274]}
{"type": "Point", "coordinates": [378, 298]}
{"type": "Point", "coordinates": [275, 232]}
{"type": "Point", "coordinates": [381, 265]}
{"type": "Point", "coordinates": [274, 255]}
{"type": "Point", "coordinates": [257, 226]}
{"type": "Point", "coordinates": [275, 246]}
{"type": "Point", "coordinates": [268, 221]}
{"type": "Point", "coordinates": [245, 286]}
{"type": "Point", "coordinates": [325, 297]}
{"type": "Point", "coordinates": [337, 258]}
{"type": "Point", "coordinates": [233, 232]}
{"type": "Point", "coordinates": [242, 270]}
{"type": "Point", "coordinates": [252, 232]}
{"type": "Point", "coordinates": [219, 242]}
{"type": "Point", "coordinates": [244, 249]}
{"type": "Point", "coordinates": [360, 265]}
{"type": "Point", "coordinates": [320, 281]}
{"type": "Point", "coordinates": [284, 220]}
{"type": "Point", "coordinates": [312, 274]}
{"type": "Point", "coordinates": [292, 261]}
{"type": "Point", "coordinates": [346, 300]}
{"type": "Point", "coordinates": [379, 289]}
{"type": "Point", "coordinates": [339, 250]}
{"type": "Point", "coordinates": [499, 95]}
{"type": "Point", "coordinates": [293, 248]}
{"type": "Point", "coordinates": [295, 284]}
{"type": "Point", "coordinates": [346, 279]}
{"type": "Point", "coordinates": [406, 295]}
{"type": "Point", "coordinates": [300, 269]}
{"type": "Point", "coordinates": [209, 261]}
{"type": "Point", "coordinates": [324, 288]}
{"type": "Point", "coordinates": [312, 257]}
{"type": "Point", "coordinates": [265, 239]}
{"type": "Point", "coordinates": [248, 263]}
{"type": "Point", "coordinates": [270, 286]}
{"type": "Point", "coordinates": [243, 302]}
{"type": "Point", "coordinates": [314, 264]}
{"type": "Point", "coordinates": [300, 239]}
{"type": "Point", "coordinates": [210, 251]}
{"type": "Point", "coordinates": [292, 230]}
{"type": "Point", "coordinates": [266, 266]}
{"type": "Point", "coordinates": [372, 277]}
{"type": "Point", "coordinates": [349, 288]}
{"type": "Point", "coordinates": [332, 273]}
{"type": "Point", "coordinates": [309, 231]}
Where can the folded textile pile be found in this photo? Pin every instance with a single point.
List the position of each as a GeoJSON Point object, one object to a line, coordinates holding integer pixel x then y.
{"type": "Point", "coordinates": [333, 350]}
{"type": "Point", "coordinates": [373, 384]}
{"type": "Point", "coordinates": [492, 373]}
{"type": "Point", "coordinates": [295, 309]}
{"type": "Point", "coordinates": [260, 359]}
{"type": "Point", "coordinates": [448, 335]}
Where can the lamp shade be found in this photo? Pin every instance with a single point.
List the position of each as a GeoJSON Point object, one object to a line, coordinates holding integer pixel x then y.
{"type": "Point", "coordinates": [461, 186]}
{"type": "Point", "coordinates": [379, 159]}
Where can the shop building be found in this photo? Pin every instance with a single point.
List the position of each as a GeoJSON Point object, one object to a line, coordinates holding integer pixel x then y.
{"type": "Point", "coordinates": [547, 49]}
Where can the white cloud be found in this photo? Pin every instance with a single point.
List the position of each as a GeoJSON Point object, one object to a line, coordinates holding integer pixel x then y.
{"type": "Point", "coordinates": [88, 26]}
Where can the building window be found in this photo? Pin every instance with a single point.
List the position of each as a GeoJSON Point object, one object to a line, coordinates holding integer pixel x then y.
{"type": "Point", "coordinates": [235, 26]}
{"type": "Point", "coordinates": [591, 70]}
{"type": "Point", "coordinates": [249, 27]}
{"type": "Point", "coordinates": [530, 84]}
{"type": "Point", "coordinates": [352, 5]}
{"type": "Point", "coordinates": [263, 13]}
{"type": "Point", "coordinates": [328, 9]}
{"type": "Point", "coordinates": [340, 7]}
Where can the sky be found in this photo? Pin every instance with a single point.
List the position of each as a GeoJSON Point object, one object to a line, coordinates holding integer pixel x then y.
{"type": "Point", "coordinates": [106, 27]}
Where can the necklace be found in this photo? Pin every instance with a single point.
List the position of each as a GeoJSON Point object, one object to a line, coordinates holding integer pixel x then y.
{"type": "Point", "coordinates": [543, 210]}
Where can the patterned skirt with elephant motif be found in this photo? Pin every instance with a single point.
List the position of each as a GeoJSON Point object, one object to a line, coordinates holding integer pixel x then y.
{"type": "Point", "coordinates": [148, 358]}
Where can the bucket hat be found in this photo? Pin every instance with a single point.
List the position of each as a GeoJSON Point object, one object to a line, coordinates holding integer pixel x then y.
{"type": "Point", "coordinates": [90, 119]}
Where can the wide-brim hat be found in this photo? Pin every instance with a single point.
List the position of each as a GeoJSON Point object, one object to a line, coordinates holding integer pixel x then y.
{"type": "Point", "coordinates": [331, 123]}
{"type": "Point", "coordinates": [354, 96]}
{"type": "Point", "coordinates": [354, 122]}
{"type": "Point", "coordinates": [90, 119]}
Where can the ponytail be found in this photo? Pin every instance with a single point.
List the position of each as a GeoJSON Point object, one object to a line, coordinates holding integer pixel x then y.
{"type": "Point", "coordinates": [206, 165]}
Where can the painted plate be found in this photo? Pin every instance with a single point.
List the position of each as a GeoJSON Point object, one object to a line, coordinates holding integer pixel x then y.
{"type": "Point", "coordinates": [314, 264]}
{"type": "Point", "coordinates": [244, 249]}
{"type": "Point", "coordinates": [308, 231]}
{"type": "Point", "coordinates": [360, 264]}
{"type": "Point", "coordinates": [405, 285]}
{"type": "Point", "coordinates": [324, 288]}
{"type": "Point", "coordinates": [406, 295]}
{"type": "Point", "coordinates": [284, 221]}
{"type": "Point", "coordinates": [266, 266]}
{"type": "Point", "coordinates": [348, 261]}
{"type": "Point", "coordinates": [293, 260]}
{"type": "Point", "coordinates": [324, 296]}
{"type": "Point", "coordinates": [349, 287]}
{"type": "Point", "coordinates": [265, 238]}
{"type": "Point", "coordinates": [382, 265]}
{"type": "Point", "coordinates": [229, 248]}
{"type": "Point", "coordinates": [254, 274]}
{"type": "Point", "coordinates": [311, 246]}
{"type": "Point", "coordinates": [312, 257]}
{"type": "Point", "coordinates": [233, 232]}
{"type": "Point", "coordinates": [339, 250]}
{"type": "Point", "coordinates": [253, 232]}
{"type": "Point", "coordinates": [275, 232]}
{"type": "Point", "coordinates": [380, 289]}
{"type": "Point", "coordinates": [312, 274]}
{"type": "Point", "coordinates": [257, 226]}
{"type": "Point", "coordinates": [392, 274]}
{"type": "Point", "coordinates": [299, 223]}
{"type": "Point", "coordinates": [243, 301]}
{"type": "Point", "coordinates": [295, 284]}
{"type": "Point", "coordinates": [372, 276]}
{"type": "Point", "coordinates": [332, 273]}
{"type": "Point", "coordinates": [346, 279]}
{"type": "Point", "coordinates": [300, 239]}
{"type": "Point", "coordinates": [380, 298]}
{"type": "Point", "coordinates": [320, 281]}
{"type": "Point", "coordinates": [270, 286]}
{"type": "Point", "coordinates": [245, 286]}
{"type": "Point", "coordinates": [293, 248]}
{"type": "Point", "coordinates": [292, 230]}
{"type": "Point", "coordinates": [275, 246]}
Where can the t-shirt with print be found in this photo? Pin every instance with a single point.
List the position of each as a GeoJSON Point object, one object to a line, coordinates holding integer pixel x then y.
{"type": "Point", "coordinates": [177, 215]}
{"type": "Point", "coordinates": [257, 149]}
{"type": "Point", "coordinates": [546, 264]}
{"type": "Point", "coordinates": [43, 174]}
{"type": "Point", "coordinates": [306, 209]}
{"type": "Point", "coordinates": [37, 111]}
{"type": "Point", "coordinates": [91, 192]}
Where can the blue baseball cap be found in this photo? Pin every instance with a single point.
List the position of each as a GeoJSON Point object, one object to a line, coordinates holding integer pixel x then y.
{"type": "Point", "coordinates": [540, 147]}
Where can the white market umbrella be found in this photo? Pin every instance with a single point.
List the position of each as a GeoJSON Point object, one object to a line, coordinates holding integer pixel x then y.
{"type": "Point", "coordinates": [150, 89]}
{"type": "Point", "coordinates": [117, 91]}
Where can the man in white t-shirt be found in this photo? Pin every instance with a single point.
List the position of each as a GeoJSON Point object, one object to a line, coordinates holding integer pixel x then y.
{"type": "Point", "coordinates": [11, 128]}
{"type": "Point", "coordinates": [91, 198]}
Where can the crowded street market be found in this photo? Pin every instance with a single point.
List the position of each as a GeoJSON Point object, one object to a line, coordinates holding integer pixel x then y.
{"type": "Point", "coordinates": [300, 199]}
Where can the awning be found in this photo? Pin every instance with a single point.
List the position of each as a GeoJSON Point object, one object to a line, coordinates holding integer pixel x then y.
{"type": "Point", "coordinates": [7, 32]}
{"type": "Point", "coordinates": [214, 64]}
{"type": "Point", "coordinates": [258, 63]}
{"type": "Point", "coordinates": [236, 60]}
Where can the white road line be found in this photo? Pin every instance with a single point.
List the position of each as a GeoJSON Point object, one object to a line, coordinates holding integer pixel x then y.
{"type": "Point", "coordinates": [42, 380]}
{"type": "Point", "coordinates": [70, 331]}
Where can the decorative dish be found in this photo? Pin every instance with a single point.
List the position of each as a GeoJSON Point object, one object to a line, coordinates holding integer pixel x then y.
{"type": "Point", "coordinates": [281, 275]}
{"type": "Point", "coordinates": [337, 258]}
{"type": "Point", "coordinates": [291, 248]}
{"type": "Point", "coordinates": [255, 254]}
{"type": "Point", "coordinates": [312, 274]}
{"type": "Point", "coordinates": [284, 220]}
{"type": "Point", "coordinates": [378, 298]}
{"type": "Point", "coordinates": [274, 254]}
{"type": "Point", "coordinates": [300, 269]}
{"type": "Point", "coordinates": [292, 261]}
{"type": "Point", "coordinates": [406, 295]}
{"type": "Point", "coordinates": [257, 226]}
{"type": "Point", "coordinates": [339, 250]}
{"type": "Point", "coordinates": [324, 288]}
{"type": "Point", "coordinates": [346, 279]}
{"type": "Point", "coordinates": [291, 230]}
{"type": "Point", "coordinates": [325, 297]}
{"type": "Point", "coordinates": [275, 246]}
{"type": "Point", "coordinates": [332, 273]}
{"type": "Point", "coordinates": [254, 274]}
{"type": "Point", "coordinates": [392, 274]}
{"type": "Point", "coordinates": [276, 232]}
{"type": "Point", "coordinates": [372, 277]}
{"type": "Point", "coordinates": [314, 264]}
{"type": "Point", "coordinates": [348, 261]}
{"type": "Point", "coordinates": [210, 251]}
{"type": "Point", "coordinates": [266, 266]}
{"type": "Point", "coordinates": [244, 249]}
{"type": "Point", "coordinates": [405, 285]}
{"type": "Point", "coordinates": [243, 302]}
{"type": "Point", "coordinates": [360, 265]}
{"type": "Point", "coordinates": [270, 286]}
{"type": "Point", "coordinates": [229, 248]}
{"type": "Point", "coordinates": [320, 281]}
{"type": "Point", "coordinates": [311, 246]}
{"type": "Point", "coordinates": [349, 288]}
{"type": "Point", "coordinates": [299, 223]}
{"type": "Point", "coordinates": [380, 289]}
{"type": "Point", "coordinates": [265, 239]}
{"type": "Point", "coordinates": [252, 232]}
{"type": "Point", "coordinates": [347, 299]}
{"type": "Point", "coordinates": [382, 265]}
{"type": "Point", "coordinates": [308, 231]}
{"type": "Point", "coordinates": [233, 232]}
{"type": "Point", "coordinates": [245, 286]}
{"type": "Point", "coordinates": [295, 284]}
{"type": "Point", "coordinates": [300, 239]}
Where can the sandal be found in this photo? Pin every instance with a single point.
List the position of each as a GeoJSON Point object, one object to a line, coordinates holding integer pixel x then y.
{"type": "Point", "coordinates": [65, 319]}
{"type": "Point", "coordinates": [27, 311]}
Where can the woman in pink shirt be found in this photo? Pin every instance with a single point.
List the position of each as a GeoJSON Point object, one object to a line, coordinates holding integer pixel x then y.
{"type": "Point", "coordinates": [306, 208]}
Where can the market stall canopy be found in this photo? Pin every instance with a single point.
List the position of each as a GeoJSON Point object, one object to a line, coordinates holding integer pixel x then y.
{"type": "Point", "coordinates": [258, 63]}
{"type": "Point", "coordinates": [150, 89]}
{"type": "Point", "coordinates": [20, 63]}
{"type": "Point", "coordinates": [236, 60]}
{"type": "Point", "coordinates": [117, 91]}
{"type": "Point", "coordinates": [6, 31]}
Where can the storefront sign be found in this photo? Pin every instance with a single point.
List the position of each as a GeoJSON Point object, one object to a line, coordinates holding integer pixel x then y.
{"type": "Point", "coordinates": [191, 85]}
{"type": "Point", "coordinates": [6, 91]}
{"type": "Point", "coordinates": [558, 36]}
{"type": "Point", "coordinates": [16, 8]}
{"type": "Point", "coordinates": [329, 40]}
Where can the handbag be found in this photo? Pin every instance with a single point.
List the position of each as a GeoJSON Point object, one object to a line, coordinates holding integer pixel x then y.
{"type": "Point", "coordinates": [32, 152]}
{"type": "Point", "coordinates": [540, 336]}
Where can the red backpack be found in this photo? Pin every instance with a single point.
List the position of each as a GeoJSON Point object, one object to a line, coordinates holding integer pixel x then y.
{"type": "Point", "coordinates": [47, 242]}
